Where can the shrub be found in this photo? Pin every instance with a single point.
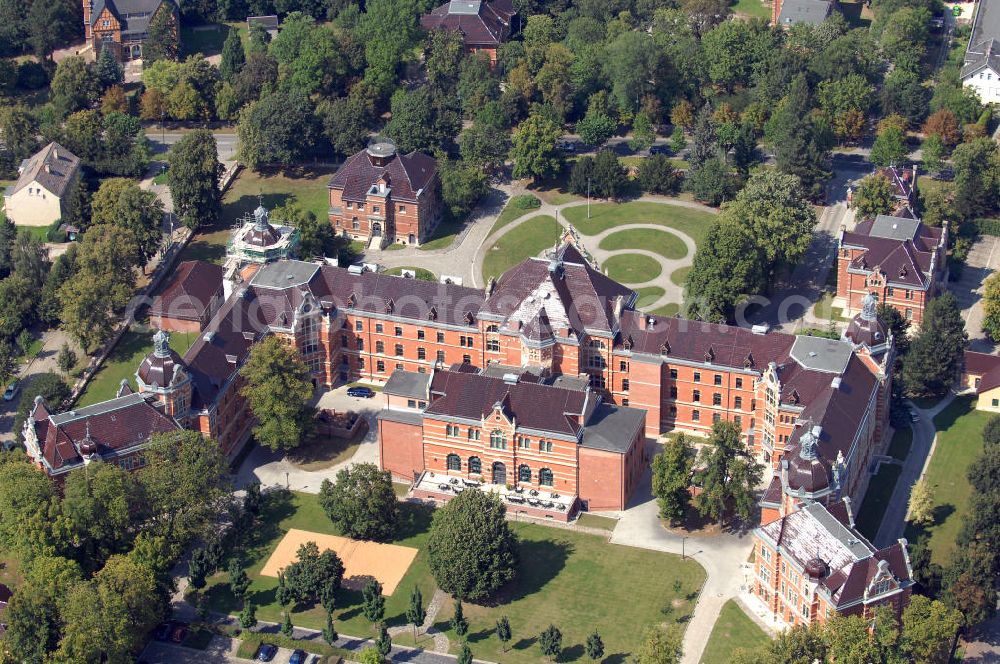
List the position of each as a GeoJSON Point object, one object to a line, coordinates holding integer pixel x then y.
{"type": "Point", "coordinates": [525, 202]}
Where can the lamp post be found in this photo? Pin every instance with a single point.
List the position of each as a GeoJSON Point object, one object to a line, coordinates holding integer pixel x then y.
{"type": "Point", "coordinates": [588, 197]}
{"type": "Point", "coordinates": [683, 540]}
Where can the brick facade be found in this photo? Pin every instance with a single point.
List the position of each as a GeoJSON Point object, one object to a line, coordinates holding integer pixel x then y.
{"type": "Point", "coordinates": [123, 25]}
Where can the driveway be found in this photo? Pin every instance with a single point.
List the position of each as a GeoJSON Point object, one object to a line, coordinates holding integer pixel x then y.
{"type": "Point", "coordinates": [226, 143]}
{"type": "Point", "coordinates": [272, 468]}
{"type": "Point", "coordinates": [984, 258]}
{"type": "Point", "coordinates": [44, 362]}
{"type": "Point", "coordinates": [924, 436]}
{"type": "Point", "coordinates": [722, 556]}
{"type": "Point", "coordinates": [983, 645]}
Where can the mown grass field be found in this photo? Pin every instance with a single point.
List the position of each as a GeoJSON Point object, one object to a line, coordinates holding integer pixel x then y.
{"type": "Point", "coordinates": [525, 241]}
{"type": "Point", "coordinates": [555, 564]}
{"type": "Point", "coordinates": [603, 216]}
{"type": "Point", "coordinates": [733, 630]}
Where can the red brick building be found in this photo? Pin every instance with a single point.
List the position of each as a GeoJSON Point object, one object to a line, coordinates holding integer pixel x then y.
{"type": "Point", "coordinates": [542, 443]}
{"type": "Point", "coordinates": [812, 564]}
{"type": "Point", "coordinates": [123, 25]}
{"type": "Point", "coordinates": [114, 431]}
{"type": "Point", "coordinates": [899, 259]}
{"type": "Point", "coordinates": [380, 196]}
{"type": "Point", "coordinates": [190, 299]}
{"type": "Point", "coordinates": [484, 24]}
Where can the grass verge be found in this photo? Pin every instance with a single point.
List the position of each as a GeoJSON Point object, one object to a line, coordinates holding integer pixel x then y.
{"type": "Point", "coordinates": [523, 242]}
{"type": "Point", "coordinates": [603, 216]}
{"type": "Point", "coordinates": [632, 268]}
{"type": "Point", "coordinates": [733, 630]}
{"type": "Point", "coordinates": [421, 273]}
{"type": "Point", "coordinates": [593, 521]}
{"type": "Point", "coordinates": [877, 498]}
{"type": "Point", "coordinates": [665, 244]}
{"type": "Point", "coordinates": [959, 444]}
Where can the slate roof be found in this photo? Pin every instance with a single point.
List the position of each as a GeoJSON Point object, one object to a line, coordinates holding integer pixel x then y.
{"type": "Point", "coordinates": [189, 292]}
{"type": "Point", "coordinates": [62, 165]}
{"type": "Point", "coordinates": [988, 57]}
{"type": "Point", "coordinates": [482, 23]}
{"type": "Point", "coordinates": [134, 15]}
{"type": "Point", "coordinates": [114, 426]}
{"type": "Point", "coordinates": [277, 290]}
{"type": "Point", "coordinates": [852, 563]}
{"type": "Point", "coordinates": [812, 12]}
{"type": "Point", "coordinates": [985, 28]}
{"type": "Point", "coordinates": [572, 294]}
{"type": "Point", "coordinates": [408, 384]}
{"type": "Point", "coordinates": [408, 174]}
{"type": "Point", "coordinates": [700, 342]}
{"type": "Point", "coordinates": [902, 247]}
{"type": "Point", "coordinates": [979, 364]}
{"type": "Point", "coordinates": [533, 405]}
{"type": "Point", "coordinates": [613, 428]}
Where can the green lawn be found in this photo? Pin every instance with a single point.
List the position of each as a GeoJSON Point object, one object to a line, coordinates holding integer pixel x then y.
{"type": "Point", "coordinates": [306, 188]}
{"type": "Point", "coordinates": [523, 242]}
{"type": "Point", "coordinates": [680, 275]}
{"type": "Point", "coordinates": [670, 309]}
{"type": "Point", "coordinates": [555, 565]}
{"type": "Point", "coordinates": [899, 446]}
{"type": "Point", "coordinates": [959, 444]}
{"type": "Point", "coordinates": [855, 12]}
{"type": "Point", "coordinates": [593, 521]}
{"type": "Point", "coordinates": [877, 498]}
{"type": "Point", "coordinates": [733, 630]}
{"type": "Point", "coordinates": [603, 216]}
{"type": "Point", "coordinates": [752, 8]}
{"type": "Point", "coordinates": [509, 214]}
{"type": "Point", "coordinates": [40, 232]}
{"type": "Point", "coordinates": [648, 295]}
{"type": "Point", "coordinates": [125, 359]}
{"type": "Point", "coordinates": [204, 39]}
{"type": "Point", "coordinates": [444, 235]}
{"type": "Point", "coordinates": [632, 268]}
{"type": "Point", "coordinates": [425, 275]}
{"type": "Point", "coordinates": [660, 242]}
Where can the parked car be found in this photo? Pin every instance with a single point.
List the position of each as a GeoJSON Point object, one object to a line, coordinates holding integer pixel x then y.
{"type": "Point", "coordinates": [11, 391]}
{"type": "Point", "coordinates": [298, 657]}
{"type": "Point", "coordinates": [361, 392]}
{"type": "Point", "coordinates": [914, 416]}
{"type": "Point", "coordinates": [568, 146]}
{"type": "Point", "coordinates": [266, 652]}
{"type": "Point", "coordinates": [659, 149]}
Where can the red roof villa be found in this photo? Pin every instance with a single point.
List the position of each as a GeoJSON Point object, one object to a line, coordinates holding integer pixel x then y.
{"type": "Point", "coordinates": [899, 259]}
{"type": "Point", "coordinates": [190, 300]}
{"type": "Point", "coordinates": [380, 196]}
{"type": "Point", "coordinates": [484, 24]}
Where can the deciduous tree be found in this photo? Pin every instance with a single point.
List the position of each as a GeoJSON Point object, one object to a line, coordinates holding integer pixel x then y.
{"type": "Point", "coordinates": [535, 150]}
{"type": "Point", "coordinates": [278, 390]}
{"type": "Point", "coordinates": [659, 646]}
{"type": "Point", "coordinates": [875, 196]}
{"type": "Point", "coordinates": [977, 178]}
{"type": "Point", "coordinates": [193, 179]}
{"type": "Point", "coordinates": [936, 353]}
{"type": "Point", "coordinates": [278, 129]}
{"type": "Point", "coordinates": [471, 549]}
{"type": "Point", "coordinates": [889, 148]}
{"type": "Point", "coordinates": [74, 85]}
{"type": "Point", "coordinates": [731, 474]}
{"type": "Point", "coordinates": [921, 506]}
{"type": "Point", "coordinates": [672, 477]}
{"type": "Point", "coordinates": [362, 502]}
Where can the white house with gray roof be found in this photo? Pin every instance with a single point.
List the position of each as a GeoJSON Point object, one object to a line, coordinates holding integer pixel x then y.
{"type": "Point", "coordinates": [43, 186]}
{"type": "Point", "coordinates": [981, 70]}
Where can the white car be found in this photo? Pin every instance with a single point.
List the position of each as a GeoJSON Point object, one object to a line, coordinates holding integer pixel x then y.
{"type": "Point", "coordinates": [12, 391]}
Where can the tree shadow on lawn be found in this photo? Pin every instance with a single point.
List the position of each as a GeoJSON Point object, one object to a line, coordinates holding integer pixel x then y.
{"type": "Point", "coordinates": [481, 635]}
{"type": "Point", "coordinates": [526, 643]}
{"type": "Point", "coordinates": [955, 410]}
{"type": "Point", "coordinates": [915, 534]}
{"type": "Point", "coordinates": [414, 520]}
{"type": "Point", "coordinates": [571, 654]}
{"type": "Point", "coordinates": [617, 658]}
{"type": "Point", "coordinates": [541, 561]}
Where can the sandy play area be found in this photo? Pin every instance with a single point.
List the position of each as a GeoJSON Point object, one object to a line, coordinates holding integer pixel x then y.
{"type": "Point", "coordinates": [387, 563]}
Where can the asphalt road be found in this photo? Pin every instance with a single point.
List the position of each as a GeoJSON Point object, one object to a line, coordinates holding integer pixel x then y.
{"type": "Point", "coordinates": [227, 143]}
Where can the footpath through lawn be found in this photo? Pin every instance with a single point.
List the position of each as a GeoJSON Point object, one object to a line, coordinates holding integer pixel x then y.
{"type": "Point", "coordinates": [578, 582]}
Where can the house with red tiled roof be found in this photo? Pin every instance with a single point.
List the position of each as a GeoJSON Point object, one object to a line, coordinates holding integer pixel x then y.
{"type": "Point", "coordinates": [812, 564]}
{"type": "Point", "coordinates": [483, 24]}
{"type": "Point", "coordinates": [901, 260]}
{"type": "Point", "coordinates": [190, 299]}
{"type": "Point", "coordinates": [114, 431]}
{"type": "Point", "coordinates": [383, 197]}
{"type": "Point", "coordinates": [981, 372]}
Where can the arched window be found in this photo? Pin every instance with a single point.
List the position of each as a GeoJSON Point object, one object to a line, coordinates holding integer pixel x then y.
{"type": "Point", "coordinates": [454, 462]}
{"type": "Point", "coordinates": [499, 473]}
{"type": "Point", "coordinates": [475, 466]}
{"type": "Point", "coordinates": [493, 328]}
{"type": "Point", "coordinates": [523, 473]}
{"type": "Point", "coordinates": [545, 477]}
{"type": "Point", "coordinates": [497, 440]}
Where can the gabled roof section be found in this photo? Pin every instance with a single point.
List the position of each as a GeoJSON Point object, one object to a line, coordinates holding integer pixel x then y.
{"type": "Point", "coordinates": [53, 167]}
{"type": "Point", "coordinates": [903, 248]}
{"type": "Point", "coordinates": [481, 22]}
{"type": "Point", "coordinates": [531, 405]}
{"type": "Point", "coordinates": [190, 291]}
{"type": "Point", "coordinates": [573, 294]}
{"type": "Point", "coordinates": [134, 15]}
{"type": "Point", "coordinates": [408, 175]}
